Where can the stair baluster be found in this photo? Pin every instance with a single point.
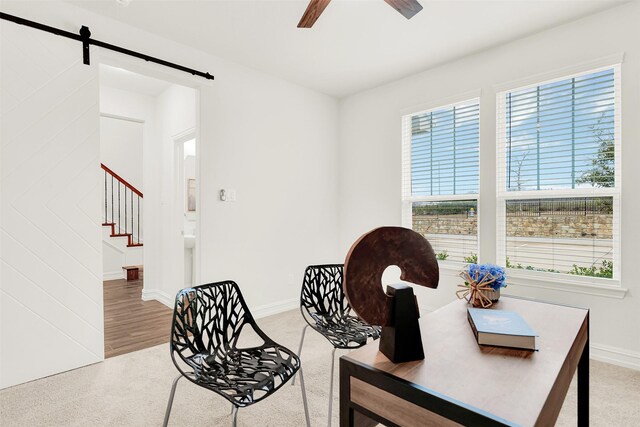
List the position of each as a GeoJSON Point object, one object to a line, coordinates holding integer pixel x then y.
{"type": "Point", "coordinates": [111, 198]}
{"type": "Point", "coordinates": [128, 208]}
{"type": "Point", "coordinates": [106, 220]}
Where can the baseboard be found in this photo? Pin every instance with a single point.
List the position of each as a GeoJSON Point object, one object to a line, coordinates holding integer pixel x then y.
{"type": "Point", "coordinates": [158, 295]}
{"type": "Point", "coordinates": [113, 275]}
{"type": "Point", "coordinates": [258, 312]}
{"type": "Point", "coordinates": [615, 356]}
{"type": "Point", "coordinates": [599, 352]}
{"type": "Point", "coordinates": [275, 308]}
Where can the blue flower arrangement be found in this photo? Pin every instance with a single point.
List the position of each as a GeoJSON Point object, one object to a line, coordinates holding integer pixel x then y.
{"type": "Point", "coordinates": [478, 272]}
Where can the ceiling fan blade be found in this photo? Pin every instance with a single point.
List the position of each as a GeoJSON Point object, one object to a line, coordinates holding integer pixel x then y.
{"type": "Point", "coordinates": [407, 8]}
{"type": "Point", "coordinates": [313, 12]}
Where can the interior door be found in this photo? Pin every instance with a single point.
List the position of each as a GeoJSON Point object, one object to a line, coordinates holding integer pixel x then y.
{"type": "Point", "coordinates": [51, 314]}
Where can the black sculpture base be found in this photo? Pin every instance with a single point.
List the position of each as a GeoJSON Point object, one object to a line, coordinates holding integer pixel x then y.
{"type": "Point", "coordinates": [402, 341]}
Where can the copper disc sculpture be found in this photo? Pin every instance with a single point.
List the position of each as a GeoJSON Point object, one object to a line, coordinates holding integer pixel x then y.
{"type": "Point", "coordinates": [397, 309]}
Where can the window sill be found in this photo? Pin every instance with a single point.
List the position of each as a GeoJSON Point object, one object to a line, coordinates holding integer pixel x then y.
{"type": "Point", "coordinates": [451, 268]}
{"type": "Point", "coordinates": [576, 284]}
{"type": "Point", "coordinates": [542, 280]}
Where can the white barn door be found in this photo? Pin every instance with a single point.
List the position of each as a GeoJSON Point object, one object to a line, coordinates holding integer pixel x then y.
{"type": "Point", "coordinates": [51, 315]}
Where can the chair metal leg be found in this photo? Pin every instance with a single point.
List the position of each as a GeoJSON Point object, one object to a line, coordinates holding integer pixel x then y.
{"type": "Point", "coordinates": [293, 380]}
{"type": "Point", "coordinates": [304, 399]}
{"type": "Point", "coordinates": [170, 403]}
{"type": "Point", "coordinates": [234, 411]}
{"type": "Point", "coordinates": [333, 360]}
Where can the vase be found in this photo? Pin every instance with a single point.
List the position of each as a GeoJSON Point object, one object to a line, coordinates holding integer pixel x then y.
{"type": "Point", "coordinates": [493, 294]}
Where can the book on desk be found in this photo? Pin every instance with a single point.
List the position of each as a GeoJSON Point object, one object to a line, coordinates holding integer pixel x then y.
{"type": "Point", "coordinates": [501, 328]}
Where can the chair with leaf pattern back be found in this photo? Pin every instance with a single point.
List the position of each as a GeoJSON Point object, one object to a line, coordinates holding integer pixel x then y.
{"type": "Point", "coordinates": [325, 309]}
{"type": "Point", "coordinates": [208, 320]}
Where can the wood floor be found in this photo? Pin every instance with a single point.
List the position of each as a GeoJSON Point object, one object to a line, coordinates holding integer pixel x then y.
{"type": "Point", "coordinates": [131, 324]}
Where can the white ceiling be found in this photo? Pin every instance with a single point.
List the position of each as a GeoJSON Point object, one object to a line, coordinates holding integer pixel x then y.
{"type": "Point", "coordinates": [355, 45]}
{"type": "Point", "coordinates": [126, 80]}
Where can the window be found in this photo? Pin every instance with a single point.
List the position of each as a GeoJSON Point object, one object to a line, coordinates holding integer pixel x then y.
{"type": "Point", "coordinates": [441, 179]}
{"type": "Point", "coordinates": [559, 175]}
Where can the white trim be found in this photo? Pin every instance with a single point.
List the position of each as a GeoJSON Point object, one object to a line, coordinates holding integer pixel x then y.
{"type": "Point", "coordinates": [407, 199]}
{"type": "Point", "coordinates": [113, 275]}
{"type": "Point", "coordinates": [446, 102]}
{"type": "Point", "coordinates": [559, 193]}
{"type": "Point", "coordinates": [197, 253]}
{"type": "Point", "coordinates": [158, 295]}
{"type": "Point", "coordinates": [118, 117]}
{"type": "Point", "coordinates": [617, 199]}
{"type": "Point", "coordinates": [587, 285]}
{"type": "Point", "coordinates": [451, 268]}
{"type": "Point", "coordinates": [406, 205]}
{"type": "Point", "coordinates": [443, 198]}
{"type": "Point", "coordinates": [561, 73]}
{"type": "Point", "coordinates": [615, 356]}
{"type": "Point", "coordinates": [566, 283]}
{"type": "Point", "coordinates": [275, 308]}
{"type": "Point", "coordinates": [258, 312]}
{"type": "Point", "coordinates": [184, 136]}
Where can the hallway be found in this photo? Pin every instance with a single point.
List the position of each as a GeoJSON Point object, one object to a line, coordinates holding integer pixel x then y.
{"type": "Point", "coordinates": [131, 324]}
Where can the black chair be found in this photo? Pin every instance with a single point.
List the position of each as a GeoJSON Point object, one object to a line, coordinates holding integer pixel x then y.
{"type": "Point", "coordinates": [325, 309]}
{"type": "Point", "coordinates": [207, 322]}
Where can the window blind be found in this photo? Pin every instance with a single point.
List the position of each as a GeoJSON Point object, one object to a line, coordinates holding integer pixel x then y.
{"type": "Point", "coordinates": [558, 175]}
{"type": "Point", "coordinates": [560, 135]}
{"type": "Point", "coordinates": [441, 178]}
{"type": "Point", "coordinates": [444, 151]}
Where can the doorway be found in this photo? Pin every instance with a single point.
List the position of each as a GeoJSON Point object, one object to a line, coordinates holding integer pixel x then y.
{"type": "Point", "coordinates": [186, 195]}
{"type": "Point", "coordinates": [140, 117]}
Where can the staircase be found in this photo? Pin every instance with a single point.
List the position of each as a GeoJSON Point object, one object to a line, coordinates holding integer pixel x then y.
{"type": "Point", "coordinates": [122, 208]}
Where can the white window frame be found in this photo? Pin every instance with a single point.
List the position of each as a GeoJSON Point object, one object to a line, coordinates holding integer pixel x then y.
{"type": "Point", "coordinates": [560, 281]}
{"type": "Point", "coordinates": [407, 198]}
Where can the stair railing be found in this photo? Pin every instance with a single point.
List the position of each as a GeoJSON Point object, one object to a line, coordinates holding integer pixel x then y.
{"type": "Point", "coordinates": [122, 207]}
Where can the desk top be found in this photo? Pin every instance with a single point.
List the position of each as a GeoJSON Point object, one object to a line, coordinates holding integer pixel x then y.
{"type": "Point", "coordinates": [522, 387]}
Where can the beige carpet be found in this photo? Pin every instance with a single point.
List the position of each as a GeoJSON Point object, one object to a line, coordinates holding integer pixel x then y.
{"type": "Point", "coordinates": [132, 390]}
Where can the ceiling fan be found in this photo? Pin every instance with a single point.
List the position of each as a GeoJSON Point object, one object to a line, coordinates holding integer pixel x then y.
{"type": "Point", "coordinates": [407, 8]}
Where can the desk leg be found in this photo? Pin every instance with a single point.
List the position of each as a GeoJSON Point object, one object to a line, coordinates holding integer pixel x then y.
{"type": "Point", "coordinates": [583, 385]}
{"type": "Point", "coordinates": [346, 412]}
{"type": "Point", "coordinates": [349, 417]}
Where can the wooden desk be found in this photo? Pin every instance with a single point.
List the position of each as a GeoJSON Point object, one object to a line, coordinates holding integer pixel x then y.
{"type": "Point", "coordinates": [460, 382]}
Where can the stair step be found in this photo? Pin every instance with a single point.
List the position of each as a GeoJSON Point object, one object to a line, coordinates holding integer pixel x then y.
{"type": "Point", "coordinates": [134, 245]}
{"type": "Point", "coordinates": [121, 235]}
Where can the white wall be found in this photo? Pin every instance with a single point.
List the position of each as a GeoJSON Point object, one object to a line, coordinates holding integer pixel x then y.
{"type": "Point", "coordinates": [370, 155]}
{"type": "Point", "coordinates": [112, 261]}
{"type": "Point", "coordinates": [273, 141]}
{"type": "Point", "coordinates": [121, 148]}
{"type": "Point", "coordinates": [116, 254]}
{"type": "Point", "coordinates": [176, 112]}
{"type": "Point", "coordinates": [279, 151]}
